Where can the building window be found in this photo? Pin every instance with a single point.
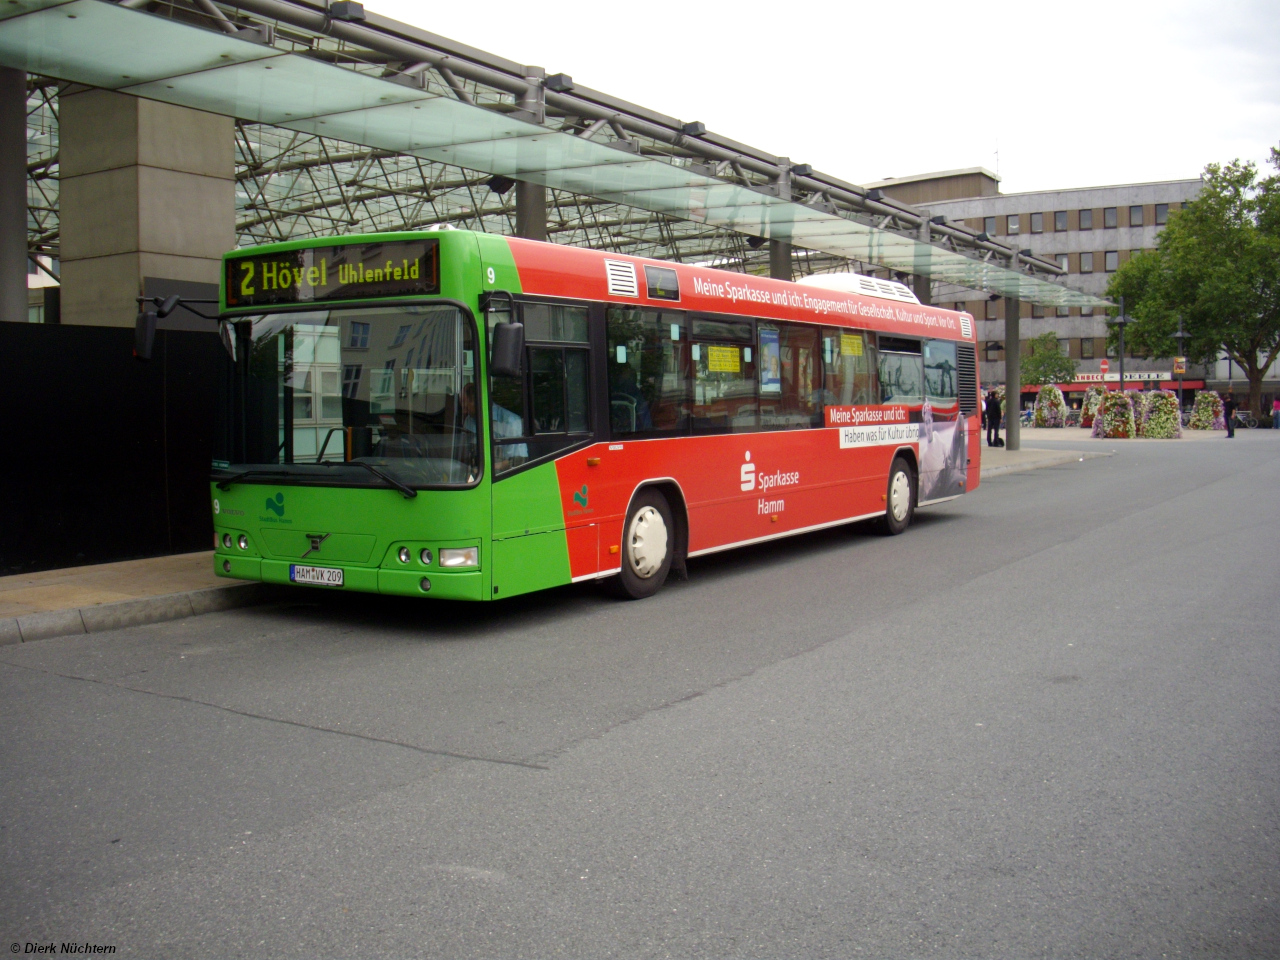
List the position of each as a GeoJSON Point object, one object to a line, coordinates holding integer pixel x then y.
{"type": "Point", "coordinates": [1086, 219]}
{"type": "Point", "coordinates": [1135, 216]}
{"type": "Point", "coordinates": [1112, 261]}
{"type": "Point", "coordinates": [993, 310]}
{"type": "Point", "coordinates": [1086, 263]}
{"type": "Point", "coordinates": [1037, 311]}
{"type": "Point", "coordinates": [1037, 223]}
{"type": "Point", "coordinates": [401, 334]}
{"type": "Point", "coordinates": [1064, 346]}
{"type": "Point", "coordinates": [989, 226]}
{"type": "Point", "coordinates": [1162, 214]}
{"type": "Point", "coordinates": [1064, 311]}
{"type": "Point", "coordinates": [1013, 224]}
{"type": "Point", "coordinates": [359, 337]}
{"type": "Point", "coordinates": [1108, 217]}
{"type": "Point", "coordinates": [1086, 311]}
{"type": "Point", "coordinates": [1086, 347]}
{"type": "Point", "coordinates": [1060, 220]}
{"type": "Point", "coordinates": [1064, 261]}
{"type": "Point", "coordinates": [351, 380]}
{"type": "Point", "coordinates": [994, 348]}
{"type": "Point", "coordinates": [1111, 351]}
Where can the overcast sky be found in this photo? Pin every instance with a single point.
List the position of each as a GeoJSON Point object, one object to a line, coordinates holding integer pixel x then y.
{"type": "Point", "coordinates": [1072, 94]}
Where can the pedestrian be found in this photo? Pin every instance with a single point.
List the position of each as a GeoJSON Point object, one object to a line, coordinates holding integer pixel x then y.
{"type": "Point", "coordinates": [1275, 413]}
{"type": "Point", "coordinates": [1228, 412]}
{"type": "Point", "coordinates": [992, 410]}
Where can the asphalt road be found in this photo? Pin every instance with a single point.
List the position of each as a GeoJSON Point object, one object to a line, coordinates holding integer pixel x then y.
{"type": "Point", "coordinates": [1044, 722]}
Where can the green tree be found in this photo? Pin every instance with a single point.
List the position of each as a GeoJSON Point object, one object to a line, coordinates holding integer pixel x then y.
{"type": "Point", "coordinates": [1045, 362]}
{"type": "Point", "coordinates": [1216, 268]}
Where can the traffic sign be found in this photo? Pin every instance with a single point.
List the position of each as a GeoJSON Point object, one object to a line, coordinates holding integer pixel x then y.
{"type": "Point", "coordinates": [1105, 367]}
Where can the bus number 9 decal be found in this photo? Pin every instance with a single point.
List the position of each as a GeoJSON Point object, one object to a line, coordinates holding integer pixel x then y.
{"type": "Point", "coordinates": [493, 277]}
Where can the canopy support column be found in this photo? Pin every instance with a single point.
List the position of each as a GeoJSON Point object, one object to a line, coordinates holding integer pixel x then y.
{"type": "Point", "coordinates": [13, 195]}
{"type": "Point", "coordinates": [147, 206]}
{"type": "Point", "coordinates": [1012, 373]}
{"type": "Point", "coordinates": [531, 210]}
{"type": "Point", "coordinates": [780, 260]}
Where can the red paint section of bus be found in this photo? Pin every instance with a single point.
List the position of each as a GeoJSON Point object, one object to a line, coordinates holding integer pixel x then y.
{"type": "Point", "coordinates": [740, 488]}
{"type": "Point", "coordinates": [976, 439]}
{"type": "Point", "coordinates": [554, 271]}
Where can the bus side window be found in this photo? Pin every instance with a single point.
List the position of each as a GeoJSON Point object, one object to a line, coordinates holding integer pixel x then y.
{"type": "Point", "coordinates": [647, 360]}
{"type": "Point", "coordinates": [791, 396]}
{"type": "Point", "coordinates": [940, 372]}
{"type": "Point", "coordinates": [849, 369]}
{"type": "Point", "coordinates": [901, 371]}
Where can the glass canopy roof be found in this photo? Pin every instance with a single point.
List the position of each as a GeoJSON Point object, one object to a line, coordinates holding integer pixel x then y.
{"type": "Point", "coordinates": [105, 45]}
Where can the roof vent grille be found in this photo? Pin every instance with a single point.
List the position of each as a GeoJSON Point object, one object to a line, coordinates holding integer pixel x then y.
{"type": "Point", "coordinates": [966, 326]}
{"type": "Point", "coordinates": [622, 278]}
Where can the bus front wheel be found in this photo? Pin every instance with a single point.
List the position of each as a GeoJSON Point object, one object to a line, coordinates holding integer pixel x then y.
{"type": "Point", "coordinates": [648, 546]}
{"type": "Point", "coordinates": [900, 498]}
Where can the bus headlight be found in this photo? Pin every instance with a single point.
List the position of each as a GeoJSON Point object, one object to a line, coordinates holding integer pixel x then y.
{"type": "Point", "coordinates": [226, 540]}
{"type": "Point", "coordinates": [243, 542]}
{"type": "Point", "coordinates": [404, 554]}
{"type": "Point", "coordinates": [425, 556]}
{"type": "Point", "coordinates": [460, 557]}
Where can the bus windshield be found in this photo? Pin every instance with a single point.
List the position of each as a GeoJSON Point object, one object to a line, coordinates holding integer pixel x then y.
{"type": "Point", "coordinates": [393, 387]}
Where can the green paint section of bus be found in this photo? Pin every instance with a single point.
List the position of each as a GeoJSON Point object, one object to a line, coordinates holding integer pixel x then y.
{"type": "Point", "coordinates": [530, 549]}
{"type": "Point", "coordinates": [518, 523]}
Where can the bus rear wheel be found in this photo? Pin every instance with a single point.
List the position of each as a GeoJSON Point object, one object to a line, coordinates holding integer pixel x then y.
{"type": "Point", "coordinates": [900, 498]}
{"type": "Point", "coordinates": [648, 547]}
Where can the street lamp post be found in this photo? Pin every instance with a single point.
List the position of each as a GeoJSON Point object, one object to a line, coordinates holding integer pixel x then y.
{"type": "Point", "coordinates": [1180, 336]}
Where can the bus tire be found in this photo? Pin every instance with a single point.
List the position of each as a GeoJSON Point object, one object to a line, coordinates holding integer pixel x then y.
{"type": "Point", "coordinates": [648, 546]}
{"type": "Point", "coordinates": [900, 498]}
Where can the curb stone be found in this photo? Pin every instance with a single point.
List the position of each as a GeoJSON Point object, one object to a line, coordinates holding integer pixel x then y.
{"type": "Point", "coordinates": [129, 613]}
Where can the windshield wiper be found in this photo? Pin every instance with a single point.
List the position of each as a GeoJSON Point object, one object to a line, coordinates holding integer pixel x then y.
{"type": "Point", "coordinates": [226, 484]}
{"type": "Point", "coordinates": [408, 492]}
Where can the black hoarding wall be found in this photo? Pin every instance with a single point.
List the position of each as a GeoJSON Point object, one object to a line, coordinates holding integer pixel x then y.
{"type": "Point", "coordinates": [106, 457]}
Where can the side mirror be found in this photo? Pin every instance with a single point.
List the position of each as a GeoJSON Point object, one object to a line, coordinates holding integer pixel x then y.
{"type": "Point", "coordinates": [144, 334]}
{"type": "Point", "coordinates": [507, 353]}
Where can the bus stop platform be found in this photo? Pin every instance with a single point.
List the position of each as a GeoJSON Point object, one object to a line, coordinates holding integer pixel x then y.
{"type": "Point", "coordinates": [109, 596]}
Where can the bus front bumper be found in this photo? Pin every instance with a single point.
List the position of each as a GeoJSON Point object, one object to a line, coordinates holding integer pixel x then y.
{"type": "Point", "coordinates": [453, 585]}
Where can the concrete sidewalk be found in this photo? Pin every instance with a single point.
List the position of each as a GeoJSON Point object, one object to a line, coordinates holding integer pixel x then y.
{"type": "Point", "coordinates": [108, 596]}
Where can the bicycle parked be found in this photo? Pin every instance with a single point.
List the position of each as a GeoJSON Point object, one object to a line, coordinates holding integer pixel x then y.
{"type": "Point", "coordinates": [1243, 418]}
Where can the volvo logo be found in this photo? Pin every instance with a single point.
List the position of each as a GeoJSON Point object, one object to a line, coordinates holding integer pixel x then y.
{"type": "Point", "coordinates": [316, 539]}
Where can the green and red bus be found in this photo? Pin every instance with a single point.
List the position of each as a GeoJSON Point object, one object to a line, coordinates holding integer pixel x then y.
{"type": "Point", "coordinates": [469, 416]}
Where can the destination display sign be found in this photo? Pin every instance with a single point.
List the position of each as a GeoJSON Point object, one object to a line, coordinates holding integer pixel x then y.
{"type": "Point", "coordinates": [355, 271]}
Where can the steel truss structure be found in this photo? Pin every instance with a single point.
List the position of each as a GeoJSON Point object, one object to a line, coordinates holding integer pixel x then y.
{"type": "Point", "coordinates": [294, 184]}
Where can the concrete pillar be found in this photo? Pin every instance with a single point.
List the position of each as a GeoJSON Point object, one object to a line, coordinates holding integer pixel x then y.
{"type": "Point", "coordinates": [920, 284]}
{"type": "Point", "coordinates": [1012, 373]}
{"type": "Point", "coordinates": [780, 260]}
{"type": "Point", "coordinates": [13, 195]}
{"type": "Point", "coordinates": [531, 210]}
{"type": "Point", "coordinates": [147, 203]}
